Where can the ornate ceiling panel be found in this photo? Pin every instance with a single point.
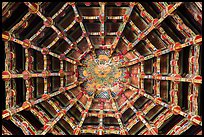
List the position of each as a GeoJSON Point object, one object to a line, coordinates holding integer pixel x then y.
{"type": "Point", "coordinates": [128, 68]}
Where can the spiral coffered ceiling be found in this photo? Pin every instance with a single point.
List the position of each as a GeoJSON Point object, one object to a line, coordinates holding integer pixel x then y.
{"type": "Point", "coordinates": [79, 68]}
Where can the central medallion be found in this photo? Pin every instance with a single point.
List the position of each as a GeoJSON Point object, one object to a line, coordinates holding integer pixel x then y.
{"type": "Point", "coordinates": [102, 73]}
{"type": "Point", "coordinates": [103, 67]}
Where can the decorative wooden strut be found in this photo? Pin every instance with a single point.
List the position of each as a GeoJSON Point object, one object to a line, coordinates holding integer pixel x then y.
{"type": "Point", "coordinates": [172, 47]}
{"type": "Point", "coordinates": [174, 108]}
{"type": "Point", "coordinates": [122, 27]}
{"type": "Point", "coordinates": [123, 131]}
{"type": "Point", "coordinates": [27, 105]}
{"type": "Point", "coordinates": [85, 34]}
{"type": "Point", "coordinates": [27, 44]}
{"type": "Point", "coordinates": [155, 23]}
{"type": "Point", "coordinates": [102, 19]}
{"type": "Point", "coordinates": [51, 123]}
{"type": "Point", "coordinates": [140, 115]}
{"type": "Point", "coordinates": [175, 46]}
{"type": "Point", "coordinates": [48, 22]}
{"type": "Point", "coordinates": [84, 114]}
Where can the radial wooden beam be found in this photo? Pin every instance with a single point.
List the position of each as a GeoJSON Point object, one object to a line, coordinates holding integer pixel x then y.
{"type": "Point", "coordinates": [85, 33]}
{"type": "Point", "coordinates": [53, 42]}
{"type": "Point", "coordinates": [100, 116]}
{"type": "Point", "coordinates": [195, 79]}
{"type": "Point", "coordinates": [26, 44]}
{"type": "Point", "coordinates": [93, 130]}
{"type": "Point", "coordinates": [62, 112]}
{"type": "Point", "coordinates": [180, 127]}
{"type": "Point", "coordinates": [174, 47]}
{"type": "Point", "coordinates": [140, 115]}
{"type": "Point", "coordinates": [84, 114]}
{"type": "Point", "coordinates": [37, 33]}
{"type": "Point", "coordinates": [102, 19]}
{"type": "Point", "coordinates": [70, 121]}
{"type": "Point", "coordinates": [122, 27]}
{"type": "Point", "coordinates": [48, 22]}
{"type": "Point", "coordinates": [53, 17]}
{"type": "Point", "coordinates": [74, 44]}
{"type": "Point", "coordinates": [174, 108]}
{"type": "Point", "coordinates": [39, 116]}
{"type": "Point", "coordinates": [155, 23]}
{"type": "Point", "coordinates": [27, 105]}
{"type": "Point", "coordinates": [127, 104]}
{"type": "Point", "coordinates": [20, 124]}
{"type": "Point", "coordinates": [47, 127]}
{"type": "Point", "coordinates": [22, 22]}
{"type": "Point", "coordinates": [26, 75]}
{"type": "Point", "coordinates": [60, 10]}
{"type": "Point", "coordinates": [162, 117]}
{"type": "Point", "coordinates": [181, 27]}
{"type": "Point", "coordinates": [123, 130]}
{"type": "Point", "coordinates": [195, 70]}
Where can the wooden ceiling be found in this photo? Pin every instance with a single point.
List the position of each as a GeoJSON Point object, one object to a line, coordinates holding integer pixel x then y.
{"type": "Point", "coordinates": [45, 44]}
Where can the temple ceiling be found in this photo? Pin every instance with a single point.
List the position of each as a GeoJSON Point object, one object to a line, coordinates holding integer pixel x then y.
{"type": "Point", "coordinates": [127, 68]}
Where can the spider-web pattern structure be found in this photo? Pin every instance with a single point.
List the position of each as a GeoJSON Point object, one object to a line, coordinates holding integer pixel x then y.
{"type": "Point", "coordinates": [45, 43]}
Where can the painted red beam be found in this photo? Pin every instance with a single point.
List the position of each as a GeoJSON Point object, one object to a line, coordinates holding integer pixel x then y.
{"type": "Point", "coordinates": [174, 47]}
{"type": "Point", "coordinates": [122, 27]}
{"type": "Point", "coordinates": [156, 22]}
{"type": "Point", "coordinates": [195, 119]}
{"type": "Point", "coordinates": [28, 104]}
{"type": "Point", "coordinates": [6, 36]}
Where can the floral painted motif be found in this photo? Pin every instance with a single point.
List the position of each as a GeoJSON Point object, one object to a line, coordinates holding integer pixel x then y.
{"type": "Point", "coordinates": [102, 74]}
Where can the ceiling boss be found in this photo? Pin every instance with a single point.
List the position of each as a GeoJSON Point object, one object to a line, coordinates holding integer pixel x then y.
{"type": "Point", "coordinates": [102, 73]}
